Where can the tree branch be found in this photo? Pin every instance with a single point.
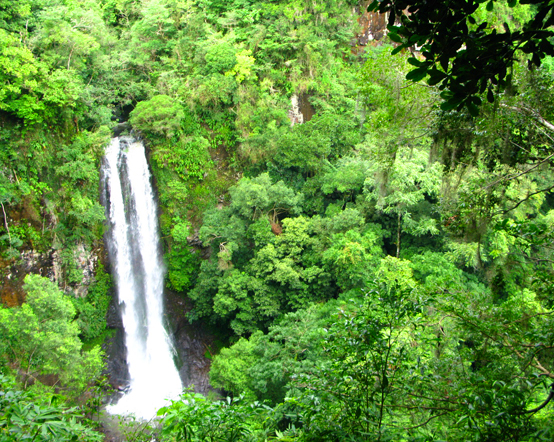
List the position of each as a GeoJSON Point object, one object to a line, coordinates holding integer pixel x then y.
{"type": "Point", "coordinates": [426, 422]}
{"type": "Point", "coordinates": [6, 224]}
{"type": "Point", "coordinates": [544, 404]}
{"type": "Point", "coordinates": [547, 189]}
{"type": "Point", "coordinates": [508, 177]}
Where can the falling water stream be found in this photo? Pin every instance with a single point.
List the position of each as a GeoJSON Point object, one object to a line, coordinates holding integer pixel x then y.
{"type": "Point", "coordinates": [134, 251]}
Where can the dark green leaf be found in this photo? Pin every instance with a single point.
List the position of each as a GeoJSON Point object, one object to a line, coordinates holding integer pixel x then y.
{"type": "Point", "coordinates": [416, 74]}
{"type": "Point", "coordinates": [395, 37]}
{"type": "Point", "coordinates": [414, 61]}
{"type": "Point", "coordinates": [450, 103]}
{"type": "Point", "coordinates": [435, 77]}
{"type": "Point", "coordinates": [373, 6]}
{"type": "Point", "coordinates": [482, 26]}
{"type": "Point", "coordinates": [397, 50]}
{"type": "Point", "coordinates": [432, 81]}
{"type": "Point", "coordinates": [473, 110]}
{"type": "Point", "coordinates": [444, 63]}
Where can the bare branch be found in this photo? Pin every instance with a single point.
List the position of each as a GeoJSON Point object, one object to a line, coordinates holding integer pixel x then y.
{"type": "Point", "coordinates": [426, 422]}
{"type": "Point", "coordinates": [508, 177]}
{"type": "Point", "coordinates": [6, 224]}
{"type": "Point", "coordinates": [529, 195]}
{"type": "Point", "coordinates": [533, 113]}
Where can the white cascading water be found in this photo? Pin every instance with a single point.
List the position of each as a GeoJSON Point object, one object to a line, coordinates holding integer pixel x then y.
{"type": "Point", "coordinates": [138, 269]}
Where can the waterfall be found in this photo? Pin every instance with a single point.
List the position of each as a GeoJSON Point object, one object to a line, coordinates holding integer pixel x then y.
{"type": "Point", "coordinates": [134, 250]}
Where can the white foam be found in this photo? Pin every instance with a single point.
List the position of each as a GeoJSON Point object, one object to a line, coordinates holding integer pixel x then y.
{"type": "Point", "coordinates": [135, 254]}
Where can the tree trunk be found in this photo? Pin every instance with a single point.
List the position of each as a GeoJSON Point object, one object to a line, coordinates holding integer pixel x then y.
{"type": "Point", "coordinates": [398, 231]}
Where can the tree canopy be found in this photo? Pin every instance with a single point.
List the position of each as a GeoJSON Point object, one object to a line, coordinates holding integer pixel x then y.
{"type": "Point", "coordinates": [463, 52]}
{"type": "Point", "coordinates": [371, 253]}
{"type": "Point", "coordinates": [41, 341]}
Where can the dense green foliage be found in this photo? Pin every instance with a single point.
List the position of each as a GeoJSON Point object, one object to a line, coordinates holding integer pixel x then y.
{"type": "Point", "coordinates": [91, 310]}
{"type": "Point", "coordinates": [40, 340]}
{"type": "Point", "coordinates": [24, 417]}
{"type": "Point", "coordinates": [381, 266]}
{"type": "Point", "coordinates": [46, 367]}
{"type": "Point", "coordinates": [453, 339]}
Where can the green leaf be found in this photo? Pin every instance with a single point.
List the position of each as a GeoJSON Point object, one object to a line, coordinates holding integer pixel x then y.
{"type": "Point", "coordinates": [416, 74]}
{"type": "Point", "coordinates": [432, 81]}
{"type": "Point", "coordinates": [450, 104]}
{"type": "Point", "coordinates": [414, 61]}
{"type": "Point", "coordinates": [435, 77]}
{"type": "Point", "coordinates": [473, 109]}
{"type": "Point", "coordinates": [444, 61]}
{"type": "Point", "coordinates": [395, 37]}
{"type": "Point", "coordinates": [373, 6]}
{"type": "Point", "coordinates": [397, 50]}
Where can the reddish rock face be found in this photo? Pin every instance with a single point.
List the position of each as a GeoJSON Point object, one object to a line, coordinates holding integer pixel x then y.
{"type": "Point", "coordinates": [11, 295]}
{"type": "Point", "coordinates": [374, 26]}
{"type": "Point", "coordinates": [12, 274]}
{"type": "Point", "coordinates": [301, 110]}
{"type": "Point", "coordinates": [49, 265]}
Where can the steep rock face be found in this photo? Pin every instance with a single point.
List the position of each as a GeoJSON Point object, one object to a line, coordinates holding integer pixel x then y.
{"type": "Point", "coordinates": [373, 27]}
{"type": "Point", "coordinates": [192, 343]}
{"type": "Point", "coordinates": [301, 110]}
{"type": "Point", "coordinates": [85, 263]}
{"type": "Point", "coordinates": [49, 265]}
{"type": "Point", "coordinates": [114, 347]}
{"type": "Point", "coordinates": [13, 273]}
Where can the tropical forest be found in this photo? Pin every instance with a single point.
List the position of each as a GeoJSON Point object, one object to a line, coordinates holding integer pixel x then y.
{"type": "Point", "coordinates": [276, 220]}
